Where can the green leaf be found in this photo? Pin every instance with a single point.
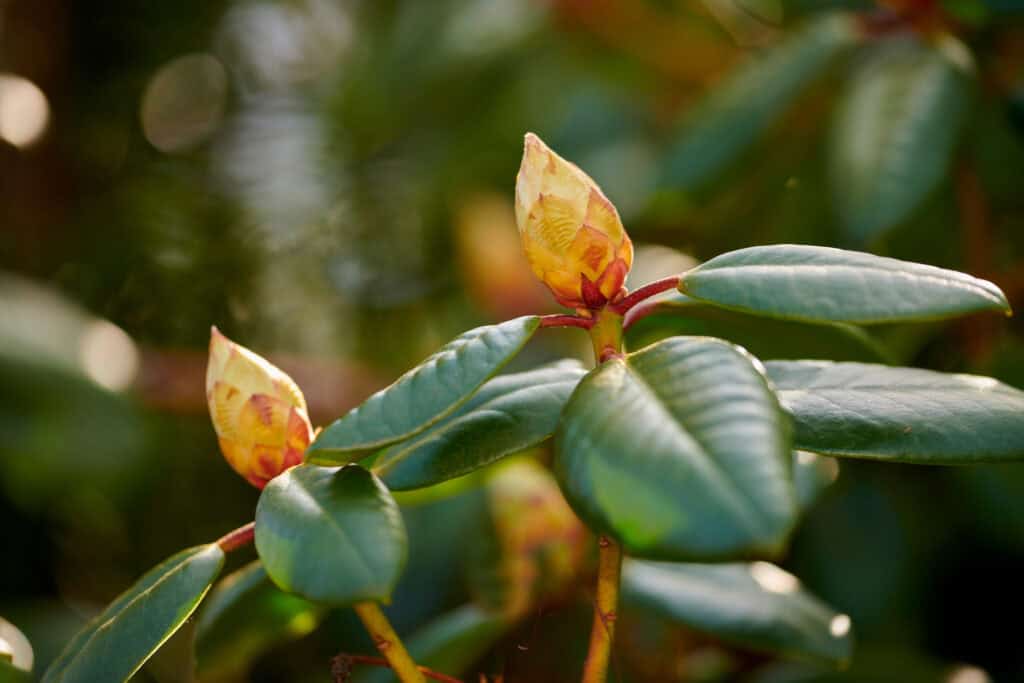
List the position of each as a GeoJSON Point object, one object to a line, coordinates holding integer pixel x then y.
{"type": "Point", "coordinates": [114, 645]}
{"type": "Point", "coordinates": [425, 394]}
{"type": "Point", "coordinates": [755, 605]}
{"type": "Point", "coordinates": [508, 415]}
{"type": "Point", "coordinates": [450, 644]}
{"type": "Point", "coordinates": [765, 338]}
{"type": "Point", "coordinates": [738, 110]}
{"type": "Point", "coordinates": [246, 615]}
{"type": "Point", "coordinates": [821, 284]}
{"type": "Point", "coordinates": [681, 452]}
{"type": "Point", "coordinates": [900, 414]}
{"type": "Point", "coordinates": [812, 474]}
{"type": "Point", "coordinates": [894, 136]}
{"type": "Point", "coordinates": [331, 534]}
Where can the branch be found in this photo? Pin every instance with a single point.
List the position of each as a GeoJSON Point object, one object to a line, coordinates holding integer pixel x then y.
{"type": "Point", "coordinates": [558, 320]}
{"type": "Point", "coordinates": [341, 668]}
{"type": "Point", "coordinates": [239, 538]}
{"type": "Point", "coordinates": [646, 292]}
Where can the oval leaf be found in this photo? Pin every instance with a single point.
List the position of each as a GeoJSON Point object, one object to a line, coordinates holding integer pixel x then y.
{"type": "Point", "coordinates": [450, 644]}
{"type": "Point", "coordinates": [425, 394]}
{"type": "Point", "coordinates": [894, 135]}
{"type": "Point", "coordinates": [681, 452]}
{"type": "Point", "coordinates": [114, 645]}
{"type": "Point", "coordinates": [765, 338]}
{"type": "Point", "coordinates": [246, 615]}
{"type": "Point", "coordinates": [508, 415]}
{"type": "Point", "coordinates": [756, 605]}
{"type": "Point", "coordinates": [900, 414]}
{"type": "Point", "coordinates": [331, 534]}
{"type": "Point", "coordinates": [821, 284]}
{"type": "Point", "coordinates": [740, 108]}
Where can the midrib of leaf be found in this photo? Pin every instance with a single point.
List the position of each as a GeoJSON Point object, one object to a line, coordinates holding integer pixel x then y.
{"type": "Point", "coordinates": [730, 489]}
{"type": "Point", "coordinates": [409, 447]}
{"type": "Point", "coordinates": [108, 624]}
{"type": "Point", "coordinates": [345, 538]}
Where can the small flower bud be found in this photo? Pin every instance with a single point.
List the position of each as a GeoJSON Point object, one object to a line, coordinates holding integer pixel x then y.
{"type": "Point", "coordinates": [571, 232]}
{"type": "Point", "coordinates": [258, 412]}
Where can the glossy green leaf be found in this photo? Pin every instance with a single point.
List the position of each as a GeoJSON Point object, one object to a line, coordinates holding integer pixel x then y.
{"type": "Point", "coordinates": [115, 644]}
{"type": "Point", "coordinates": [450, 644]}
{"type": "Point", "coordinates": [331, 534]}
{"type": "Point", "coordinates": [425, 394]}
{"type": "Point", "coordinates": [509, 414]}
{"type": "Point", "coordinates": [812, 474]}
{"type": "Point", "coordinates": [765, 338]}
{"type": "Point", "coordinates": [246, 615]}
{"type": "Point", "coordinates": [821, 284]}
{"type": "Point", "coordinates": [900, 414]}
{"type": "Point", "coordinates": [681, 452]}
{"type": "Point", "coordinates": [738, 110]}
{"type": "Point", "coordinates": [756, 605]}
{"type": "Point", "coordinates": [894, 136]}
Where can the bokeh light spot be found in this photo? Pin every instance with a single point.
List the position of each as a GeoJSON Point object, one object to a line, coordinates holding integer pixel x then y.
{"type": "Point", "coordinates": [109, 356]}
{"type": "Point", "coordinates": [773, 579]}
{"type": "Point", "coordinates": [184, 102]}
{"type": "Point", "coordinates": [24, 111]}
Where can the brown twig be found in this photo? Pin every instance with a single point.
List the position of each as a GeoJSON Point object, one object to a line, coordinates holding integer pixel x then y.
{"type": "Point", "coordinates": [602, 632]}
{"type": "Point", "coordinates": [342, 666]}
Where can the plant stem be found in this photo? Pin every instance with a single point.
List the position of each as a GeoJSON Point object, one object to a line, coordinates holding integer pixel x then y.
{"type": "Point", "coordinates": [388, 642]}
{"type": "Point", "coordinates": [645, 292]}
{"type": "Point", "coordinates": [345, 661]}
{"type": "Point", "coordinates": [558, 320]}
{"type": "Point", "coordinates": [602, 632]}
{"type": "Point", "coordinates": [606, 335]}
{"type": "Point", "coordinates": [239, 538]}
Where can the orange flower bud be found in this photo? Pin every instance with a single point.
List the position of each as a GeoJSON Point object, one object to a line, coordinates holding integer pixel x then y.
{"type": "Point", "coordinates": [572, 234]}
{"type": "Point", "coordinates": [258, 412]}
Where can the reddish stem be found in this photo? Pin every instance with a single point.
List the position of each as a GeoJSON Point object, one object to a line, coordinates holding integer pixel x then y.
{"type": "Point", "coordinates": [240, 537]}
{"type": "Point", "coordinates": [342, 664]}
{"type": "Point", "coordinates": [566, 321]}
{"type": "Point", "coordinates": [639, 313]}
{"type": "Point", "coordinates": [645, 292]}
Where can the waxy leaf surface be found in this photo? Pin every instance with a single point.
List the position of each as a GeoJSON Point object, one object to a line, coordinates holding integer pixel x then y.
{"type": "Point", "coordinates": [821, 284]}
{"type": "Point", "coordinates": [115, 644]}
{"type": "Point", "coordinates": [330, 534]}
{"type": "Point", "coordinates": [509, 414]}
{"type": "Point", "coordinates": [766, 338]}
{"type": "Point", "coordinates": [425, 394]}
{"type": "Point", "coordinates": [900, 414]}
{"type": "Point", "coordinates": [680, 451]}
{"type": "Point", "coordinates": [756, 605]}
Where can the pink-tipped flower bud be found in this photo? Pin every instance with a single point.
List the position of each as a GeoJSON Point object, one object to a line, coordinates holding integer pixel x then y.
{"type": "Point", "coordinates": [571, 232]}
{"type": "Point", "coordinates": [258, 412]}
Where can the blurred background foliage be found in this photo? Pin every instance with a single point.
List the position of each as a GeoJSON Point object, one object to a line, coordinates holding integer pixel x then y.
{"type": "Point", "coordinates": [330, 182]}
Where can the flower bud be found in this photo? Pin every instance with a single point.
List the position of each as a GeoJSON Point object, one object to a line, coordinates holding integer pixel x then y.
{"type": "Point", "coordinates": [258, 412]}
{"type": "Point", "coordinates": [572, 234]}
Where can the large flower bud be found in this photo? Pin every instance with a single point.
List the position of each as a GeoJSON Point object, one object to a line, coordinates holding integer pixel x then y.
{"type": "Point", "coordinates": [572, 234]}
{"type": "Point", "coordinates": [258, 412]}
